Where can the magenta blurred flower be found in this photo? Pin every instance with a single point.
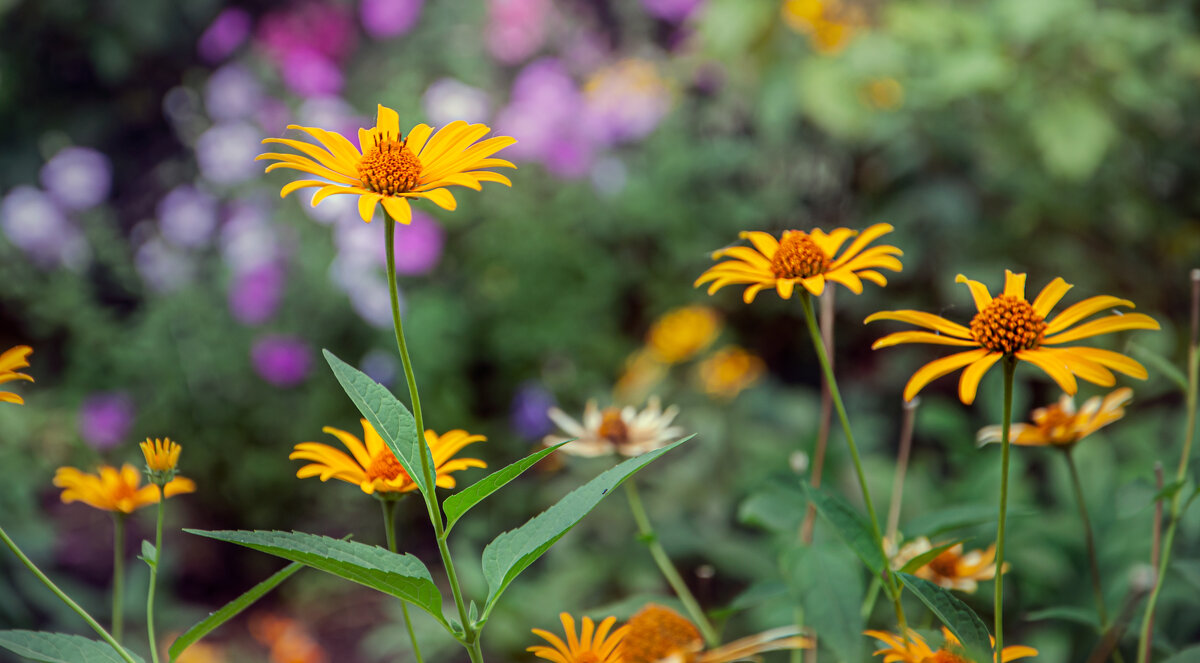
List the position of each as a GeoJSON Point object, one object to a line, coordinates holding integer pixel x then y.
{"type": "Point", "coordinates": [226, 152]}
{"type": "Point", "coordinates": [310, 73]}
{"type": "Point", "coordinates": [77, 177]}
{"type": "Point", "coordinates": [389, 18]}
{"type": "Point", "coordinates": [325, 28]}
{"type": "Point", "coordinates": [163, 268]}
{"type": "Point", "coordinates": [283, 361]}
{"type": "Point", "coordinates": [449, 99]}
{"type": "Point", "coordinates": [105, 419]}
{"type": "Point", "coordinates": [222, 37]}
{"type": "Point", "coordinates": [232, 93]}
{"type": "Point", "coordinates": [516, 29]}
{"type": "Point", "coordinates": [569, 156]}
{"type": "Point", "coordinates": [187, 217]}
{"type": "Point", "coordinates": [671, 10]}
{"type": "Point", "coordinates": [527, 415]}
{"type": "Point", "coordinates": [255, 295]}
{"type": "Point", "coordinates": [418, 245]}
{"type": "Point", "coordinates": [332, 113]}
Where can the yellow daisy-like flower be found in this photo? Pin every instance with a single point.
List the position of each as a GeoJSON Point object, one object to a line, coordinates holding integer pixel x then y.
{"type": "Point", "coordinates": [658, 634]}
{"type": "Point", "coordinates": [679, 334]}
{"type": "Point", "coordinates": [13, 359]}
{"type": "Point", "coordinates": [115, 490]}
{"type": "Point", "coordinates": [161, 455]}
{"type": "Point", "coordinates": [729, 371]}
{"type": "Point", "coordinates": [389, 168]}
{"type": "Point", "coordinates": [373, 466]}
{"type": "Point", "coordinates": [1010, 326]}
{"type": "Point", "coordinates": [594, 644]}
{"type": "Point", "coordinates": [916, 650]}
{"type": "Point", "coordinates": [805, 258]}
{"type": "Point", "coordinates": [1060, 424]}
{"type": "Point", "coordinates": [621, 430]}
{"type": "Point", "coordinates": [952, 569]}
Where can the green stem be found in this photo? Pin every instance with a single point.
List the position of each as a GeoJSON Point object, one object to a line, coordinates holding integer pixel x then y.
{"type": "Point", "coordinates": [1097, 587]}
{"type": "Point", "coordinates": [158, 529]}
{"type": "Point", "coordinates": [797, 655]}
{"type": "Point", "coordinates": [118, 589]}
{"type": "Point", "coordinates": [470, 635]}
{"type": "Point", "coordinates": [389, 528]}
{"type": "Point", "coordinates": [1010, 368]}
{"type": "Point", "coordinates": [889, 579]}
{"type": "Point", "coordinates": [868, 605]}
{"type": "Point", "coordinates": [104, 635]}
{"type": "Point", "coordinates": [646, 530]}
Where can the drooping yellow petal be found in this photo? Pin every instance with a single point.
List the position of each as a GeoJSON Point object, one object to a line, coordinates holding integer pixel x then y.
{"type": "Point", "coordinates": [1112, 323]}
{"type": "Point", "coordinates": [922, 319]}
{"type": "Point", "coordinates": [1083, 309]}
{"type": "Point", "coordinates": [979, 291]}
{"type": "Point", "coordinates": [366, 205]}
{"type": "Point", "coordinates": [968, 383]}
{"type": "Point", "coordinates": [398, 209]}
{"type": "Point", "coordinates": [1053, 365]}
{"type": "Point", "coordinates": [1050, 295]}
{"type": "Point", "coordinates": [1114, 360]}
{"type": "Point", "coordinates": [939, 367]}
{"type": "Point", "coordinates": [920, 337]}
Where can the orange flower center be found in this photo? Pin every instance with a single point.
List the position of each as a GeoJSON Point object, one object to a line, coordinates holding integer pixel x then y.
{"type": "Point", "coordinates": [1056, 424]}
{"type": "Point", "coordinates": [389, 167]}
{"type": "Point", "coordinates": [798, 257]}
{"type": "Point", "coordinates": [656, 632]}
{"type": "Point", "coordinates": [943, 656]}
{"type": "Point", "coordinates": [385, 466]}
{"type": "Point", "coordinates": [612, 427]}
{"type": "Point", "coordinates": [945, 564]}
{"type": "Point", "coordinates": [1008, 324]}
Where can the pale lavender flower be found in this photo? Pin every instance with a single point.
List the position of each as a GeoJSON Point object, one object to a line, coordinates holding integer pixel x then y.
{"type": "Point", "coordinates": [255, 295]}
{"type": "Point", "coordinates": [449, 99]}
{"type": "Point", "coordinates": [334, 209]}
{"type": "Point", "coordinates": [163, 267]}
{"type": "Point", "coordinates": [527, 414]}
{"type": "Point", "coordinates": [222, 37]}
{"type": "Point", "coordinates": [626, 101]}
{"type": "Point", "coordinates": [105, 419]}
{"type": "Point", "coordinates": [365, 284]}
{"type": "Point", "coordinates": [34, 223]}
{"type": "Point", "coordinates": [332, 113]}
{"type": "Point", "coordinates": [284, 361]}
{"type": "Point", "coordinates": [232, 93]}
{"type": "Point", "coordinates": [187, 217]}
{"type": "Point", "coordinates": [516, 29]}
{"type": "Point", "coordinates": [225, 152]}
{"type": "Point", "coordinates": [77, 178]}
{"type": "Point", "coordinates": [671, 10]}
{"type": "Point", "coordinates": [248, 238]}
{"type": "Point", "coordinates": [389, 18]}
{"type": "Point", "coordinates": [381, 366]}
{"type": "Point", "coordinates": [418, 245]}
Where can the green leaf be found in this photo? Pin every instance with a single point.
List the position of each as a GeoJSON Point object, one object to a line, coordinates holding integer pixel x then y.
{"type": "Point", "coordinates": [149, 553]}
{"type": "Point", "coordinates": [389, 417]}
{"type": "Point", "coordinates": [1065, 613]}
{"type": "Point", "coordinates": [957, 517]}
{"type": "Point", "coordinates": [850, 526]}
{"type": "Point", "coordinates": [400, 575]}
{"type": "Point", "coordinates": [956, 615]}
{"type": "Point", "coordinates": [1160, 364]}
{"type": "Point", "coordinates": [512, 552]}
{"type": "Point", "coordinates": [779, 507]}
{"type": "Point", "coordinates": [60, 648]}
{"type": "Point", "coordinates": [1072, 133]}
{"type": "Point", "coordinates": [231, 610]}
{"type": "Point", "coordinates": [829, 585]}
{"type": "Point", "coordinates": [927, 557]}
{"type": "Point", "coordinates": [1189, 655]}
{"type": "Point", "coordinates": [459, 503]}
{"type": "Point", "coordinates": [1168, 491]}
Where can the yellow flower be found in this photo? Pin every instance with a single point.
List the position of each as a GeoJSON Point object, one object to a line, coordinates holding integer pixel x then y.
{"type": "Point", "coordinates": [14, 358]}
{"type": "Point", "coordinates": [1009, 326]}
{"type": "Point", "coordinates": [804, 258]}
{"type": "Point", "coordinates": [951, 569]}
{"type": "Point", "coordinates": [161, 455]}
{"type": "Point", "coordinates": [622, 430]}
{"type": "Point", "coordinates": [658, 634]}
{"type": "Point", "coordinates": [827, 25]}
{"type": "Point", "coordinates": [391, 168]}
{"type": "Point", "coordinates": [374, 467]}
{"type": "Point", "coordinates": [916, 650]}
{"type": "Point", "coordinates": [594, 644]}
{"type": "Point", "coordinates": [730, 370]}
{"type": "Point", "coordinates": [642, 373]}
{"type": "Point", "coordinates": [679, 334]}
{"type": "Point", "coordinates": [115, 490]}
{"type": "Point", "coordinates": [1060, 425]}
{"type": "Point", "coordinates": [884, 93]}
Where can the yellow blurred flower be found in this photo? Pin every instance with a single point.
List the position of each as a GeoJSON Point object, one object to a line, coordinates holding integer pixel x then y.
{"type": "Point", "coordinates": [202, 652]}
{"type": "Point", "coordinates": [916, 650]}
{"type": "Point", "coordinates": [594, 644]}
{"type": "Point", "coordinates": [288, 640]}
{"type": "Point", "coordinates": [1008, 325]}
{"type": "Point", "coordinates": [952, 568]}
{"type": "Point", "coordinates": [13, 359]}
{"type": "Point", "coordinates": [642, 374]}
{"type": "Point", "coordinates": [621, 430]}
{"type": "Point", "coordinates": [807, 259]}
{"type": "Point", "coordinates": [161, 455]}
{"type": "Point", "coordinates": [884, 93]}
{"type": "Point", "coordinates": [1060, 424]}
{"type": "Point", "coordinates": [679, 334]}
{"type": "Point", "coordinates": [390, 169]}
{"type": "Point", "coordinates": [374, 468]}
{"type": "Point", "coordinates": [828, 25]}
{"type": "Point", "coordinates": [115, 490]}
{"type": "Point", "coordinates": [658, 634]}
{"type": "Point", "coordinates": [730, 370]}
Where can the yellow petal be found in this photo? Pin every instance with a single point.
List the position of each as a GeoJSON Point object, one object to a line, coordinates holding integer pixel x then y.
{"type": "Point", "coordinates": [440, 197]}
{"type": "Point", "coordinates": [765, 243]}
{"type": "Point", "coordinates": [939, 367]}
{"type": "Point", "coordinates": [814, 284]}
{"type": "Point", "coordinates": [416, 138]}
{"type": "Point", "coordinates": [1049, 296]}
{"type": "Point", "coordinates": [1113, 360]}
{"type": "Point", "coordinates": [387, 122]}
{"type": "Point", "coordinates": [968, 383]}
{"type": "Point", "coordinates": [979, 291]}
{"type": "Point", "coordinates": [784, 288]}
{"type": "Point", "coordinates": [1112, 323]}
{"type": "Point", "coordinates": [1083, 309]}
{"type": "Point", "coordinates": [1014, 284]}
{"type": "Point", "coordinates": [366, 205]}
{"type": "Point", "coordinates": [920, 337]}
{"type": "Point", "coordinates": [300, 184]}
{"type": "Point", "coordinates": [922, 319]}
{"type": "Point", "coordinates": [398, 209]}
{"type": "Point", "coordinates": [1053, 365]}
{"type": "Point", "coordinates": [864, 238]}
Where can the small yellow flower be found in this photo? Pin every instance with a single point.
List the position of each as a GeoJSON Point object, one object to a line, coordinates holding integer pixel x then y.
{"type": "Point", "coordinates": [679, 334]}
{"type": "Point", "coordinates": [730, 370]}
{"type": "Point", "coordinates": [161, 455]}
{"type": "Point", "coordinates": [1008, 325]}
{"type": "Point", "coordinates": [826, 23]}
{"type": "Point", "coordinates": [13, 359]}
{"type": "Point", "coordinates": [1060, 424]}
{"type": "Point", "coordinates": [884, 93]}
{"type": "Point", "coordinates": [916, 650]}
{"type": "Point", "coordinates": [642, 374]}
{"type": "Point", "coordinates": [803, 258]}
{"type": "Point", "coordinates": [373, 466]}
{"type": "Point", "coordinates": [115, 490]}
{"type": "Point", "coordinates": [594, 644]}
{"type": "Point", "coordinates": [658, 634]}
{"type": "Point", "coordinates": [621, 430]}
{"type": "Point", "coordinates": [390, 169]}
{"type": "Point", "coordinates": [951, 569]}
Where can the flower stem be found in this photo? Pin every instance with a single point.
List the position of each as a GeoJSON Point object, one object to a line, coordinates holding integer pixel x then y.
{"type": "Point", "coordinates": [646, 530]}
{"type": "Point", "coordinates": [906, 437]}
{"type": "Point", "coordinates": [1010, 367]}
{"type": "Point", "coordinates": [158, 528]}
{"type": "Point", "coordinates": [825, 420]}
{"type": "Point", "coordinates": [389, 528]}
{"type": "Point", "coordinates": [118, 588]}
{"type": "Point", "coordinates": [65, 599]}
{"type": "Point", "coordinates": [1097, 587]}
{"type": "Point", "coordinates": [889, 579]}
{"type": "Point", "coordinates": [470, 635]}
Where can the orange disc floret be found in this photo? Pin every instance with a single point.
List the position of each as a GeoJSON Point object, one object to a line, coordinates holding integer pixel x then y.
{"type": "Point", "coordinates": [798, 257]}
{"type": "Point", "coordinates": [657, 632]}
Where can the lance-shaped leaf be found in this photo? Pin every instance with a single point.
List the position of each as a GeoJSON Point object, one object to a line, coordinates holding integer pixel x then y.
{"type": "Point", "coordinates": [60, 648]}
{"type": "Point", "coordinates": [849, 525]}
{"type": "Point", "coordinates": [956, 615]}
{"type": "Point", "coordinates": [927, 557]}
{"type": "Point", "coordinates": [230, 610]}
{"type": "Point", "coordinates": [401, 575]}
{"type": "Point", "coordinates": [459, 503]}
{"type": "Point", "coordinates": [389, 417]}
{"type": "Point", "coordinates": [512, 552]}
{"type": "Point", "coordinates": [828, 584]}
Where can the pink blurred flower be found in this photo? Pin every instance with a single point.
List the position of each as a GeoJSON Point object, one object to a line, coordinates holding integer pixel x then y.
{"type": "Point", "coordinates": [310, 73]}
{"type": "Point", "coordinates": [255, 295]}
{"type": "Point", "coordinates": [307, 44]}
{"type": "Point", "coordinates": [389, 18]}
{"type": "Point", "coordinates": [418, 245]}
{"type": "Point", "coordinates": [671, 10]}
{"type": "Point", "coordinates": [222, 37]}
{"type": "Point", "coordinates": [105, 419]}
{"type": "Point", "coordinates": [283, 361]}
{"type": "Point", "coordinates": [546, 115]}
{"type": "Point", "coordinates": [516, 28]}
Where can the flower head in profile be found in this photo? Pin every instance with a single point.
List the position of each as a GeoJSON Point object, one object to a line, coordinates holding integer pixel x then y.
{"type": "Point", "coordinates": [914, 649]}
{"type": "Point", "coordinates": [11, 361]}
{"type": "Point", "coordinates": [621, 430]}
{"type": "Point", "coordinates": [679, 334]}
{"type": "Point", "coordinates": [390, 168]}
{"type": "Point", "coordinates": [729, 371]}
{"type": "Point", "coordinates": [116, 490]}
{"type": "Point", "coordinates": [809, 259]}
{"type": "Point", "coordinates": [162, 459]}
{"type": "Point", "coordinates": [952, 568]}
{"type": "Point", "coordinates": [1060, 424]}
{"type": "Point", "coordinates": [658, 634]}
{"type": "Point", "coordinates": [373, 467]}
{"type": "Point", "coordinates": [1008, 325]}
{"type": "Point", "coordinates": [593, 644]}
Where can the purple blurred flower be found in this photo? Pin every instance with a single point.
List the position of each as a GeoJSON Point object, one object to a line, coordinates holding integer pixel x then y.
{"type": "Point", "coordinates": [389, 18]}
{"type": "Point", "coordinates": [449, 99]}
{"type": "Point", "coordinates": [225, 153]}
{"type": "Point", "coordinates": [255, 295]}
{"type": "Point", "coordinates": [527, 415]}
{"type": "Point", "coordinates": [77, 177]}
{"type": "Point", "coordinates": [381, 366]}
{"type": "Point", "coordinates": [34, 223]}
{"type": "Point", "coordinates": [232, 93]}
{"type": "Point", "coordinates": [248, 238]}
{"type": "Point", "coordinates": [516, 28]}
{"type": "Point", "coordinates": [569, 156]}
{"type": "Point", "coordinates": [671, 10]}
{"type": "Point", "coordinates": [626, 101]}
{"type": "Point", "coordinates": [283, 361]}
{"type": "Point", "coordinates": [224, 35]}
{"type": "Point", "coordinates": [544, 116]}
{"type": "Point", "coordinates": [187, 217]}
{"type": "Point", "coordinates": [334, 209]}
{"type": "Point", "coordinates": [418, 245]}
{"type": "Point", "coordinates": [310, 73]}
{"type": "Point", "coordinates": [366, 285]}
{"type": "Point", "coordinates": [325, 28]}
{"type": "Point", "coordinates": [162, 267]}
{"type": "Point", "coordinates": [105, 419]}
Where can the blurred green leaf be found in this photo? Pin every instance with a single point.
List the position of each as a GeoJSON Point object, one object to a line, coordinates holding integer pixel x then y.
{"type": "Point", "coordinates": [729, 27]}
{"type": "Point", "coordinates": [1072, 133]}
{"type": "Point", "coordinates": [1160, 364]}
{"type": "Point", "coordinates": [778, 507]}
{"type": "Point", "coordinates": [850, 526]}
{"type": "Point", "coordinates": [1084, 616]}
{"type": "Point", "coordinates": [1189, 655]}
{"type": "Point", "coordinates": [927, 557]}
{"type": "Point", "coordinates": [59, 648]}
{"type": "Point", "coordinates": [957, 517]}
{"type": "Point", "coordinates": [459, 503]}
{"type": "Point", "coordinates": [956, 615]}
{"type": "Point", "coordinates": [830, 587]}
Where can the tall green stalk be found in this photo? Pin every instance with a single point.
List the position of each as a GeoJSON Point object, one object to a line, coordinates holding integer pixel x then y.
{"type": "Point", "coordinates": [158, 529]}
{"type": "Point", "coordinates": [1010, 367]}
{"type": "Point", "coordinates": [1093, 561]}
{"type": "Point", "coordinates": [889, 578]}
{"type": "Point", "coordinates": [118, 588]}
{"type": "Point", "coordinates": [389, 529]}
{"type": "Point", "coordinates": [470, 636]}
